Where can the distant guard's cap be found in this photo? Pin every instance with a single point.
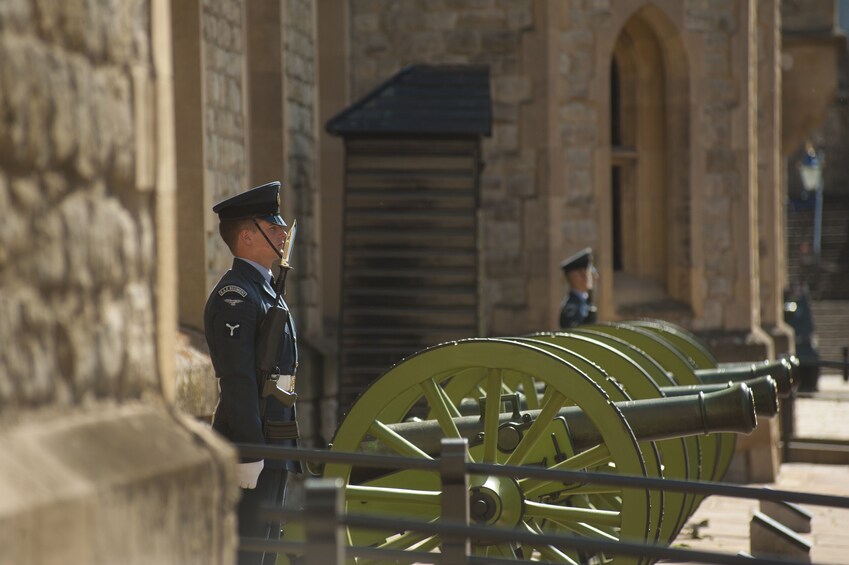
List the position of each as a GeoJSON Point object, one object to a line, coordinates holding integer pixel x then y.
{"type": "Point", "coordinates": [260, 202]}
{"type": "Point", "coordinates": [580, 260]}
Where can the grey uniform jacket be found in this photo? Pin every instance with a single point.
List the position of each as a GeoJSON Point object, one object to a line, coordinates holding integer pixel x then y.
{"type": "Point", "coordinates": [234, 311]}
{"type": "Point", "coordinates": [576, 310]}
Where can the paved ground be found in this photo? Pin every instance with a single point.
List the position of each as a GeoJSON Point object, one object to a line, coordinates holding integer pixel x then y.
{"type": "Point", "coordinates": [721, 524]}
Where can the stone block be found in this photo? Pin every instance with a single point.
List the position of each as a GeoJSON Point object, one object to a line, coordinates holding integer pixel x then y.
{"type": "Point", "coordinates": [196, 386]}
{"type": "Point", "coordinates": [769, 538]}
{"type": "Point", "coordinates": [511, 89]}
{"type": "Point", "coordinates": [366, 23]}
{"type": "Point", "coordinates": [499, 42]}
{"type": "Point", "coordinates": [791, 515]}
{"type": "Point", "coordinates": [462, 42]}
{"type": "Point", "coordinates": [443, 21]}
{"type": "Point", "coordinates": [116, 484]}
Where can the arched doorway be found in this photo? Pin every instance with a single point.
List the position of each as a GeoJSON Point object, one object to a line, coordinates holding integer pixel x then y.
{"type": "Point", "coordinates": [650, 197]}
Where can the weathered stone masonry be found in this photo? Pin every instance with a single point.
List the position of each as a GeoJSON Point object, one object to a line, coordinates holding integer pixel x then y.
{"type": "Point", "coordinates": [94, 467]}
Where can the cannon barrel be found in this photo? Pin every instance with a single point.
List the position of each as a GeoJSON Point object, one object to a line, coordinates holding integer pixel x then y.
{"type": "Point", "coordinates": [764, 389]}
{"type": "Point", "coordinates": [729, 410]}
{"type": "Point", "coordinates": [781, 370]}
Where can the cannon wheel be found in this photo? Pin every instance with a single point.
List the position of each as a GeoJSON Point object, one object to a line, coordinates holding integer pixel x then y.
{"type": "Point", "coordinates": [640, 377]}
{"type": "Point", "coordinates": [682, 339]}
{"type": "Point", "coordinates": [416, 385]}
{"type": "Point", "coordinates": [460, 388]}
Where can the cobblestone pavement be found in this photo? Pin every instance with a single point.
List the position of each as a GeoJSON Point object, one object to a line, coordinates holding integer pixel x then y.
{"type": "Point", "coordinates": [721, 524]}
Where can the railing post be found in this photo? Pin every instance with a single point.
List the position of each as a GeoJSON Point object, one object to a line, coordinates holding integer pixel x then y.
{"type": "Point", "coordinates": [455, 499]}
{"type": "Point", "coordinates": [788, 431]}
{"type": "Point", "coordinates": [845, 364]}
{"type": "Point", "coordinates": [323, 505]}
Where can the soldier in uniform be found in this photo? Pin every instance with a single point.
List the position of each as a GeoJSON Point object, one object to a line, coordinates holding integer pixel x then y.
{"type": "Point", "coordinates": [577, 307]}
{"type": "Point", "coordinates": [251, 226]}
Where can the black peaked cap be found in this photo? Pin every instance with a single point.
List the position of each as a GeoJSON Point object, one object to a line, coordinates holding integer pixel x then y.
{"type": "Point", "coordinates": [259, 202]}
{"type": "Point", "coordinates": [580, 260]}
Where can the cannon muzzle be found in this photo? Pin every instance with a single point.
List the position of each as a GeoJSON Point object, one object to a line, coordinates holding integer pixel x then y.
{"type": "Point", "coordinates": [731, 409]}
{"type": "Point", "coordinates": [783, 371]}
{"type": "Point", "coordinates": [764, 389]}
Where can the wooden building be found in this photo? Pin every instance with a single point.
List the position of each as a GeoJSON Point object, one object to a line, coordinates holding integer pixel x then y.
{"type": "Point", "coordinates": [410, 274]}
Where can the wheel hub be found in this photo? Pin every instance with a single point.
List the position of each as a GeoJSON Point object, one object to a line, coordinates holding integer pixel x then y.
{"type": "Point", "coordinates": [495, 501]}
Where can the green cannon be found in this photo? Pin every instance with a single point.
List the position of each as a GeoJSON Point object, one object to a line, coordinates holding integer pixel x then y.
{"type": "Point", "coordinates": [623, 398]}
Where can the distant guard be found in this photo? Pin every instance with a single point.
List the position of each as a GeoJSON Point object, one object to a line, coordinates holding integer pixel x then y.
{"type": "Point", "coordinates": [577, 307]}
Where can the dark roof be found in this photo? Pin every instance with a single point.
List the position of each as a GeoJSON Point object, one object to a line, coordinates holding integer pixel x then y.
{"type": "Point", "coordinates": [422, 99]}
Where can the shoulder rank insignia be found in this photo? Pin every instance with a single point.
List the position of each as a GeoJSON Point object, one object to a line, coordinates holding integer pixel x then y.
{"type": "Point", "coordinates": [232, 288]}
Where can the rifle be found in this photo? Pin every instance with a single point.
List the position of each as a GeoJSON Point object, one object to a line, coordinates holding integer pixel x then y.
{"type": "Point", "coordinates": [268, 336]}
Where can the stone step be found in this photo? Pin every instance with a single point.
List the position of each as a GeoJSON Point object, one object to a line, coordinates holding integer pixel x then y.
{"type": "Point", "coordinates": [791, 515]}
{"type": "Point", "coordinates": [770, 538]}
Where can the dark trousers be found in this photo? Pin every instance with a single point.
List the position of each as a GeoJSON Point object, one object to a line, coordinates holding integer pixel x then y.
{"type": "Point", "coordinates": [270, 492]}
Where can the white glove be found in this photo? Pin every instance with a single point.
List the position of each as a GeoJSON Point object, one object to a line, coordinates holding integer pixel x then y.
{"type": "Point", "coordinates": [249, 473]}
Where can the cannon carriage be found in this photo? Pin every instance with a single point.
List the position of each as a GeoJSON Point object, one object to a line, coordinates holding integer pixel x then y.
{"type": "Point", "coordinates": [640, 399]}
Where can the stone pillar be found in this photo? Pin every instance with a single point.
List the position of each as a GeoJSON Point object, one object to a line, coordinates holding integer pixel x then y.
{"type": "Point", "coordinates": [192, 203]}
{"type": "Point", "coordinates": [333, 97]}
{"type": "Point", "coordinates": [302, 200]}
{"type": "Point", "coordinates": [771, 211]}
{"type": "Point", "coordinates": [728, 153]}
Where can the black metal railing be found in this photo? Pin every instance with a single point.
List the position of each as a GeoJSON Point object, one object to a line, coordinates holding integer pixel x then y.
{"type": "Point", "coordinates": [324, 517]}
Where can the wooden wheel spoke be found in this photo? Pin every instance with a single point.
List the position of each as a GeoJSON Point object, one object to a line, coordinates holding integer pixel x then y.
{"type": "Point", "coordinates": [450, 404]}
{"type": "Point", "coordinates": [502, 549]}
{"type": "Point", "coordinates": [529, 388]}
{"type": "Point", "coordinates": [589, 458]}
{"type": "Point", "coordinates": [480, 550]}
{"type": "Point", "coordinates": [395, 441]}
{"type": "Point", "coordinates": [578, 489]}
{"type": "Point", "coordinates": [552, 402]}
{"type": "Point", "coordinates": [405, 540]}
{"type": "Point", "coordinates": [588, 531]}
{"type": "Point", "coordinates": [493, 407]}
{"type": "Point", "coordinates": [358, 493]}
{"type": "Point", "coordinates": [549, 552]}
{"type": "Point", "coordinates": [567, 514]}
{"type": "Point", "coordinates": [429, 544]}
{"type": "Point", "coordinates": [443, 409]}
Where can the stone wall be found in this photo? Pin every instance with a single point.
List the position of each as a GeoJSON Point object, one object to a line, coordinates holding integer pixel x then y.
{"type": "Point", "coordinates": [94, 467]}
{"type": "Point", "coordinates": [729, 146]}
{"type": "Point", "coordinates": [709, 55]}
{"type": "Point", "coordinates": [302, 187]}
{"type": "Point", "coordinates": [544, 194]}
{"type": "Point", "coordinates": [225, 149]}
{"type": "Point", "coordinates": [77, 255]}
